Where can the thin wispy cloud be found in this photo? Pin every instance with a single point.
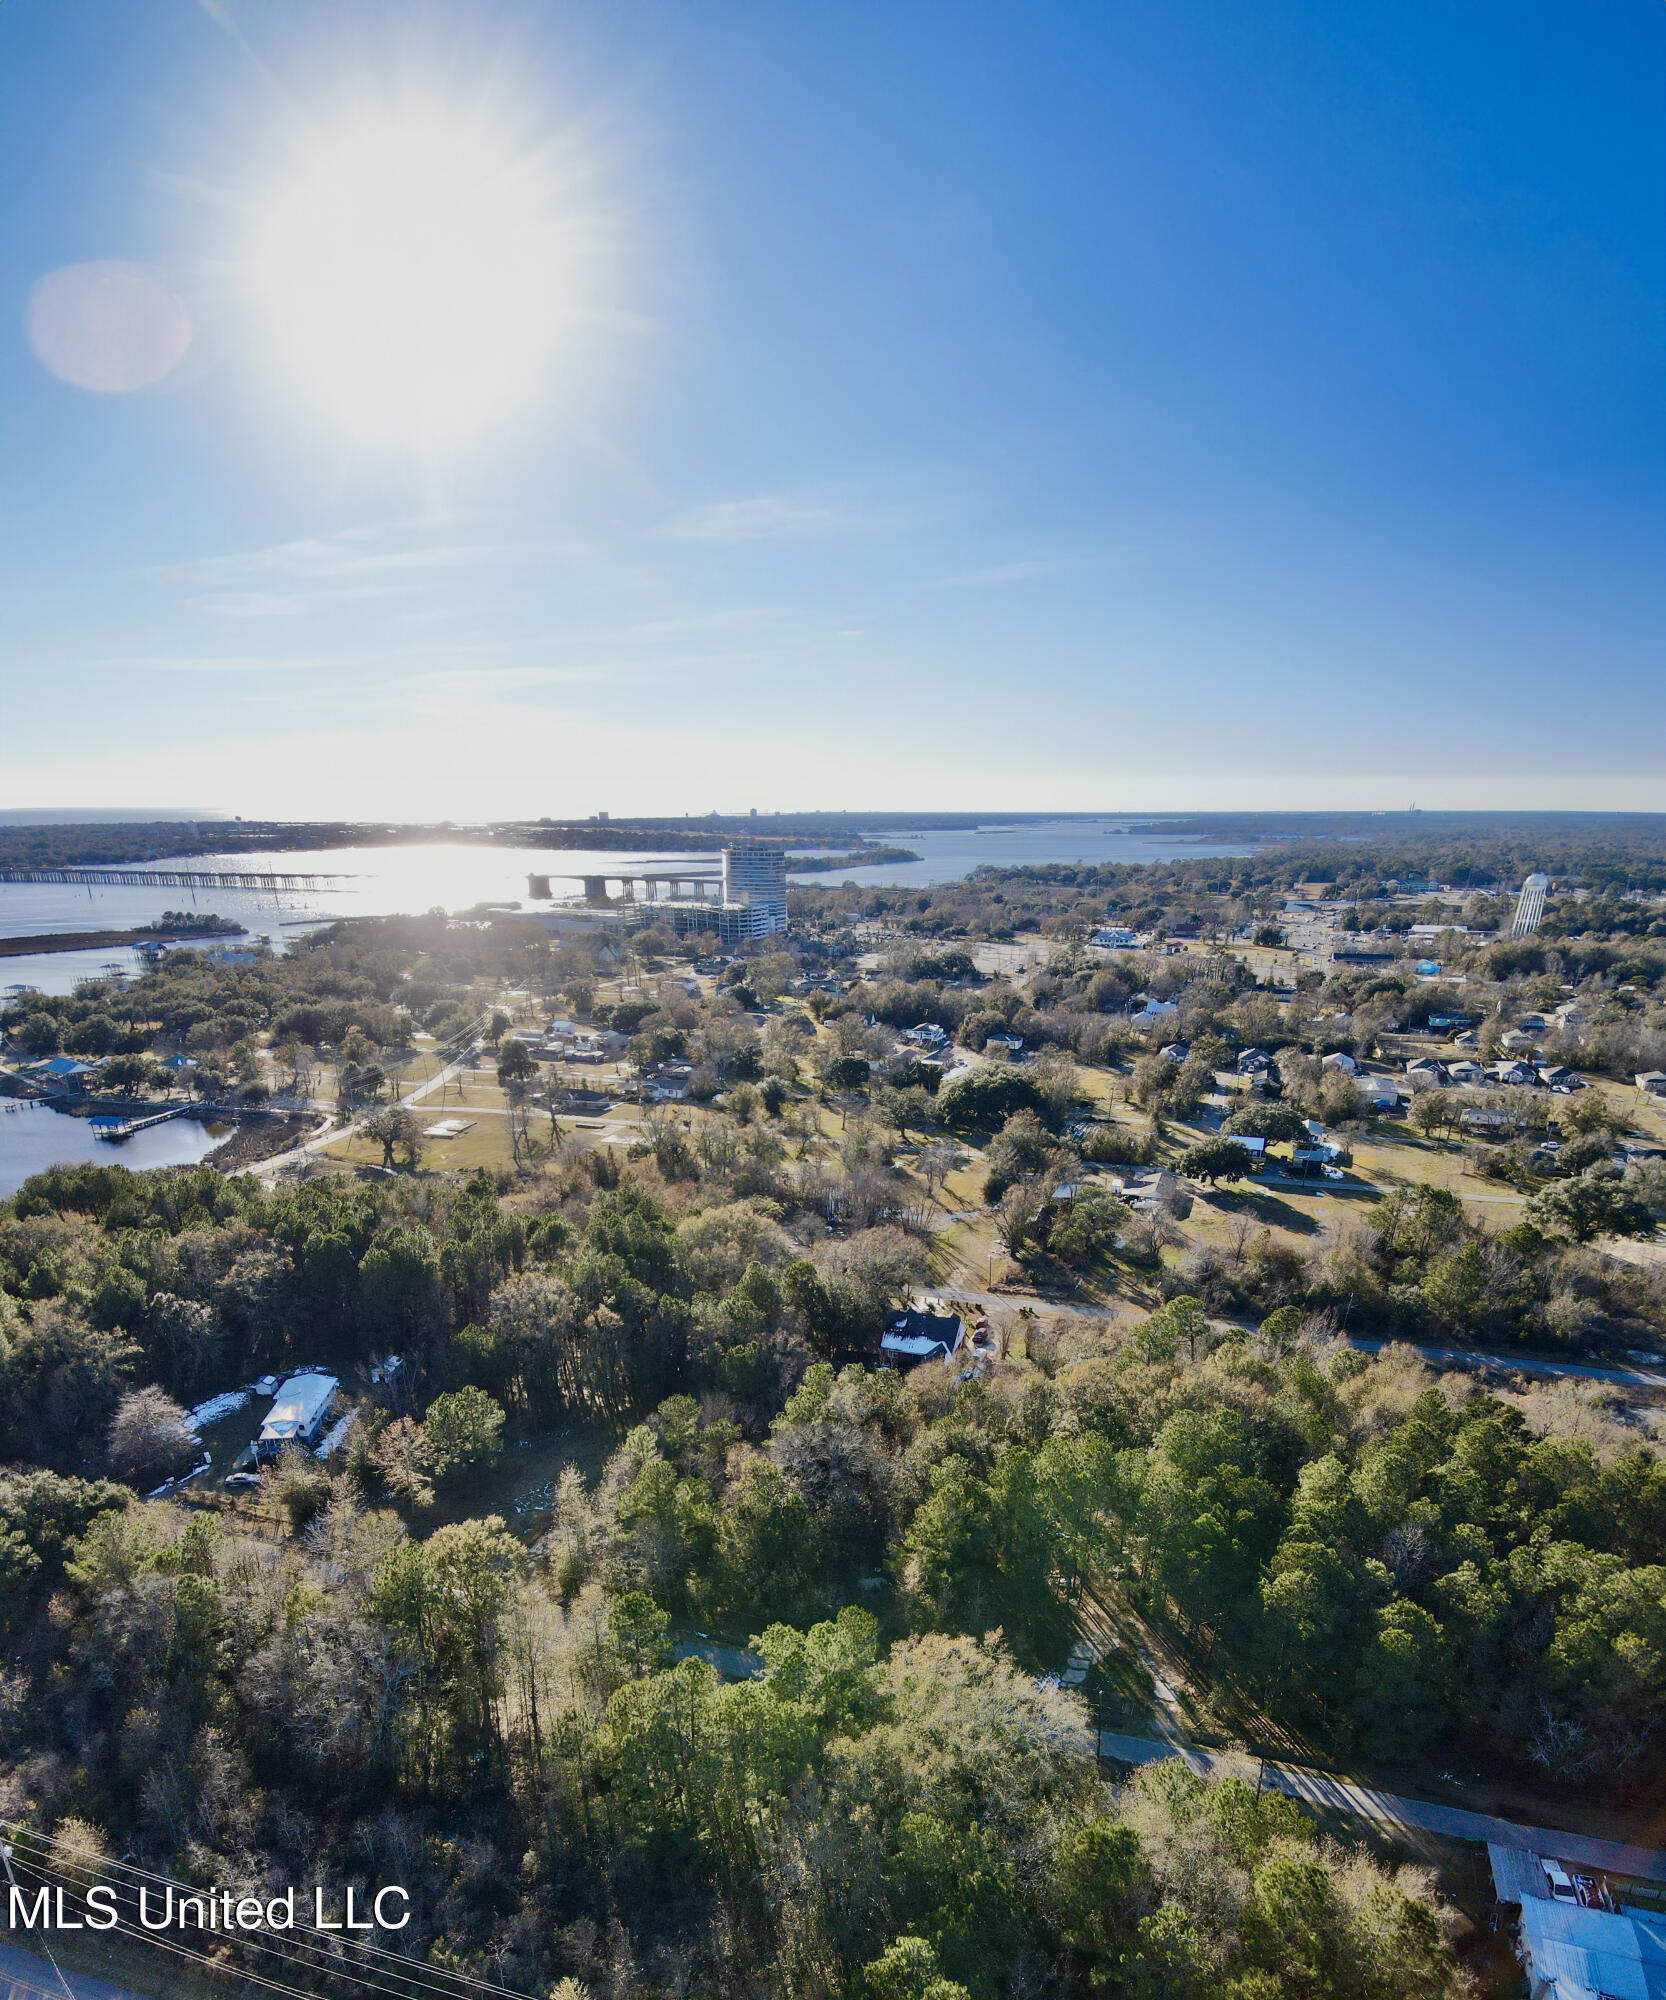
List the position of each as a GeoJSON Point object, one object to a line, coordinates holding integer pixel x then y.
{"type": "Point", "coordinates": [228, 663]}
{"type": "Point", "coordinates": [770, 517]}
{"type": "Point", "coordinates": [997, 576]}
{"type": "Point", "coordinates": [254, 604]}
{"type": "Point", "coordinates": [292, 604]}
{"type": "Point", "coordinates": [352, 552]}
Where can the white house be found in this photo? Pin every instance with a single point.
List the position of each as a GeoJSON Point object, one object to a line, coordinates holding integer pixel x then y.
{"type": "Point", "coordinates": [298, 1415]}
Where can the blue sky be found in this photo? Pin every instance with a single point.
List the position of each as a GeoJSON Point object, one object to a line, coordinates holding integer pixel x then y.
{"type": "Point", "coordinates": [1130, 405]}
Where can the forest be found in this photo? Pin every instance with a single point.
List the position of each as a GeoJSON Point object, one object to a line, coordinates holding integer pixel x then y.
{"type": "Point", "coordinates": [891, 1804]}
{"type": "Point", "coordinates": [403, 1663]}
{"type": "Point", "coordinates": [1376, 1559]}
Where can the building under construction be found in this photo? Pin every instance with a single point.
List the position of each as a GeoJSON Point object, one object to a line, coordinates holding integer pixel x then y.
{"type": "Point", "coordinates": [741, 894]}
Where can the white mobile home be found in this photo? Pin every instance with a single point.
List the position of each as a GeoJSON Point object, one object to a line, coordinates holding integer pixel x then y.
{"type": "Point", "coordinates": [297, 1417]}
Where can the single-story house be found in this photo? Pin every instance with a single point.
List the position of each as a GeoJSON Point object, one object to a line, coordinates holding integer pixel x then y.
{"type": "Point", "coordinates": [1514, 1073]}
{"type": "Point", "coordinates": [59, 1072]}
{"type": "Point", "coordinates": [1380, 1093]}
{"type": "Point", "coordinates": [1574, 1937]}
{"type": "Point", "coordinates": [1254, 1062]}
{"type": "Point", "coordinates": [1340, 1059]}
{"type": "Point", "coordinates": [1652, 1081]}
{"type": "Point", "coordinates": [1532, 1024]}
{"type": "Point", "coordinates": [922, 1336]}
{"type": "Point", "coordinates": [1466, 1071]}
{"type": "Point", "coordinates": [1516, 1039]}
{"type": "Point", "coordinates": [928, 1035]}
{"type": "Point", "coordinates": [1175, 1052]}
{"type": "Point", "coordinates": [1467, 1040]}
{"type": "Point", "coordinates": [1114, 937]}
{"type": "Point", "coordinates": [1155, 1188]}
{"type": "Point", "coordinates": [62, 1066]}
{"type": "Point", "coordinates": [1488, 1118]}
{"type": "Point", "coordinates": [297, 1417]}
{"type": "Point", "coordinates": [1427, 1067]}
{"type": "Point", "coordinates": [1558, 1076]}
{"type": "Point", "coordinates": [1256, 1148]}
{"type": "Point", "coordinates": [1154, 1012]}
{"type": "Point", "coordinates": [1012, 1043]}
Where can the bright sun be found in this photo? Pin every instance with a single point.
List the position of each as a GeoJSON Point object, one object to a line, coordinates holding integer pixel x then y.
{"type": "Point", "coordinates": [412, 274]}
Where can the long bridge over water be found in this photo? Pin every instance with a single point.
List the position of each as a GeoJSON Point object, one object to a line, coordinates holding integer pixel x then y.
{"type": "Point", "coordinates": [171, 878]}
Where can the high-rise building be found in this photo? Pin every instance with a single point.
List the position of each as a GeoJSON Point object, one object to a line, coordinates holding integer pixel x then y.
{"type": "Point", "coordinates": [1530, 906]}
{"type": "Point", "coordinates": [755, 880]}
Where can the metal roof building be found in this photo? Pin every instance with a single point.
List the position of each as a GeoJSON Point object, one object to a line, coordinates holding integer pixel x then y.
{"type": "Point", "coordinates": [1572, 1943]}
{"type": "Point", "coordinates": [298, 1415]}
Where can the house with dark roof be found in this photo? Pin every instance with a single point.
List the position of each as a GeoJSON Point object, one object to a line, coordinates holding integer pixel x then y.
{"type": "Point", "coordinates": [912, 1337]}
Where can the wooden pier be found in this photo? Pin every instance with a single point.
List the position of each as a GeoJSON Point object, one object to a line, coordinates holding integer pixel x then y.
{"type": "Point", "coordinates": [116, 1132]}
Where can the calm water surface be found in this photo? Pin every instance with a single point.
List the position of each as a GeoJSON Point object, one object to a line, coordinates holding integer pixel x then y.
{"type": "Point", "coordinates": [389, 881]}
{"type": "Point", "coordinates": [33, 1137]}
{"type": "Point", "coordinates": [948, 856]}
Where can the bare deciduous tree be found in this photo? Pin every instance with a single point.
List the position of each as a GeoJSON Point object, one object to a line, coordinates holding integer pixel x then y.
{"type": "Point", "coordinates": [150, 1438]}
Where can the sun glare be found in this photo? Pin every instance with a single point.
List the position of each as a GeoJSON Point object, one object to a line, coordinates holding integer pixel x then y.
{"type": "Point", "coordinates": [412, 271]}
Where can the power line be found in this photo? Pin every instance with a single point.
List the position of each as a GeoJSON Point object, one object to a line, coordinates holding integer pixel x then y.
{"type": "Point", "coordinates": [401, 1967]}
{"type": "Point", "coordinates": [401, 1959]}
{"type": "Point", "coordinates": [185, 1952]}
{"type": "Point", "coordinates": [6, 1857]}
{"type": "Point", "coordinates": [123, 1929]}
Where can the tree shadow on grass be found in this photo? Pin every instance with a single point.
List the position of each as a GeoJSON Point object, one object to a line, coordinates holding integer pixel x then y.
{"type": "Point", "coordinates": [1267, 1209]}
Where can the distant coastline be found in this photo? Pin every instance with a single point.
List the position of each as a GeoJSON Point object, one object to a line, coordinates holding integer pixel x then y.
{"type": "Point", "coordinates": [861, 857]}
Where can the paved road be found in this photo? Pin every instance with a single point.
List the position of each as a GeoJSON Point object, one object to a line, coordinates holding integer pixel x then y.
{"type": "Point", "coordinates": [23, 1976]}
{"type": "Point", "coordinates": [1387, 1809]}
{"type": "Point", "coordinates": [1589, 1371]}
{"type": "Point", "coordinates": [1440, 1357]}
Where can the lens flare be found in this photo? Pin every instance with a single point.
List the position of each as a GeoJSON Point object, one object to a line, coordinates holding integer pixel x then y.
{"type": "Point", "coordinates": [412, 269]}
{"type": "Point", "coordinates": [108, 327]}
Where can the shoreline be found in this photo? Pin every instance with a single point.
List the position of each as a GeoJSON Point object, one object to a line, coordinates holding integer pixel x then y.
{"type": "Point", "coordinates": [51, 941]}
